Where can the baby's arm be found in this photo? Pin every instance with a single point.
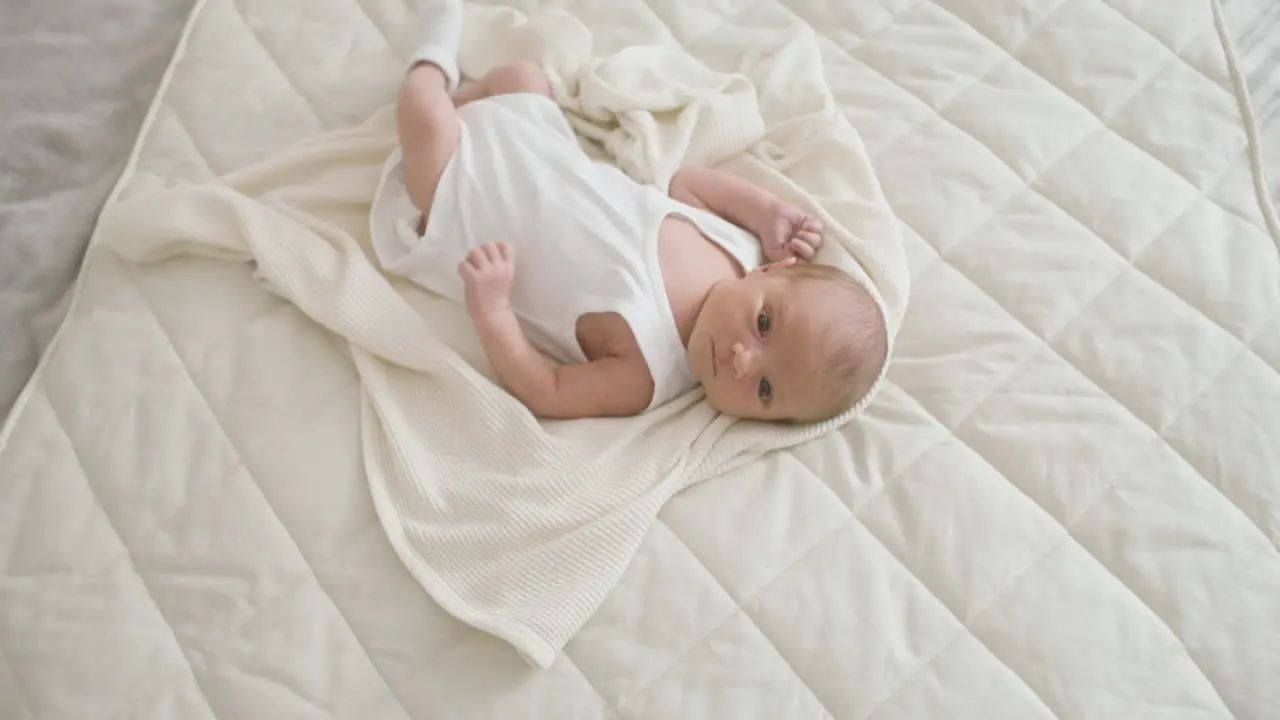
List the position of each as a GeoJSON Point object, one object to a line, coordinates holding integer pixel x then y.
{"type": "Point", "coordinates": [783, 229]}
{"type": "Point", "coordinates": [611, 386]}
{"type": "Point", "coordinates": [740, 202]}
{"type": "Point", "coordinates": [605, 387]}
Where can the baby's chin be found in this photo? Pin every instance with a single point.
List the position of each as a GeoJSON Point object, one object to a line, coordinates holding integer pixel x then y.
{"type": "Point", "coordinates": [699, 374]}
{"type": "Point", "coordinates": [711, 401]}
{"type": "Point", "coordinates": [692, 354]}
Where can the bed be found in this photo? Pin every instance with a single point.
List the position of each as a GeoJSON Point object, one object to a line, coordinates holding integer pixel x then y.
{"type": "Point", "coordinates": [1062, 504]}
{"type": "Point", "coordinates": [75, 85]}
{"type": "Point", "coordinates": [1255, 28]}
{"type": "Point", "coordinates": [113, 57]}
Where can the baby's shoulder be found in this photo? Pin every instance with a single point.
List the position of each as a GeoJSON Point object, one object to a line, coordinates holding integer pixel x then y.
{"type": "Point", "coordinates": [606, 334]}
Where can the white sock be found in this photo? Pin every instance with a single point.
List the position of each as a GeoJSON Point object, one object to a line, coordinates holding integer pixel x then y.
{"type": "Point", "coordinates": [439, 32]}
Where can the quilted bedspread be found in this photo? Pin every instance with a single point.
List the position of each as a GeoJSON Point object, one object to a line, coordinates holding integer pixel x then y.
{"type": "Point", "coordinates": [1065, 503]}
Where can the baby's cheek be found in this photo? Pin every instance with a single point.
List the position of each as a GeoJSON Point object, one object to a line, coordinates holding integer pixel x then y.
{"type": "Point", "coordinates": [715, 394]}
{"type": "Point", "coordinates": [729, 399]}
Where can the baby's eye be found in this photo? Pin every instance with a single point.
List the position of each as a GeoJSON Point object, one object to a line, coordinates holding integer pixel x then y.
{"type": "Point", "coordinates": [762, 323]}
{"type": "Point", "coordinates": [766, 390]}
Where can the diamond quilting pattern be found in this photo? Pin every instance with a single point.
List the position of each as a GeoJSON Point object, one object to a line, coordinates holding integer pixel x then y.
{"type": "Point", "coordinates": [824, 650]}
{"type": "Point", "coordinates": [1237, 300]}
{"type": "Point", "coordinates": [1098, 205]}
{"type": "Point", "coordinates": [641, 630]}
{"type": "Point", "coordinates": [948, 495]}
{"type": "Point", "coordinates": [1070, 613]}
{"type": "Point", "coordinates": [1180, 142]}
{"type": "Point", "coordinates": [1058, 508]}
{"type": "Point", "coordinates": [1044, 283]}
{"type": "Point", "coordinates": [768, 685]}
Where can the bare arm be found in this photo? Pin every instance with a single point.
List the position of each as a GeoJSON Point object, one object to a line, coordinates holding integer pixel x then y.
{"type": "Point", "coordinates": [611, 386]}
{"type": "Point", "coordinates": [725, 194]}
{"type": "Point", "coordinates": [784, 230]}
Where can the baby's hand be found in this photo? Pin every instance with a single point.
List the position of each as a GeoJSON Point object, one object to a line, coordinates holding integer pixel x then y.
{"type": "Point", "coordinates": [788, 232]}
{"type": "Point", "coordinates": [487, 274]}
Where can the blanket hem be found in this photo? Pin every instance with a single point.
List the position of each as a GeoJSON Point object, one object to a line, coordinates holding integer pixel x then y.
{"type": "Point", "coordinates": [528, 644]}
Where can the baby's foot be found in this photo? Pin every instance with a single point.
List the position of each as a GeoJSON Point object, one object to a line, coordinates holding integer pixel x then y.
{"type": "Point", "coordinates": [439, 31]}
{"type": "Point", "coordinates": [786, 231]}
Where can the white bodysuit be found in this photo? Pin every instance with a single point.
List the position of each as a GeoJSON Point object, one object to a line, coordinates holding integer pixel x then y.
{"type": "Point", "coordinates": [585, 234]}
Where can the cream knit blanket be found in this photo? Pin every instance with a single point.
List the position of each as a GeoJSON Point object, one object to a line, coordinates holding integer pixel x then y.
{"type": "Point", "coordinates": [520, 528]}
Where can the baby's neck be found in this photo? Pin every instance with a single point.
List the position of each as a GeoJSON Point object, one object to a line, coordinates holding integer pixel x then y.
{"type": "Point", "coordinates": [687, 318]}
{"type": "Point", "coordinates": [691, 266]}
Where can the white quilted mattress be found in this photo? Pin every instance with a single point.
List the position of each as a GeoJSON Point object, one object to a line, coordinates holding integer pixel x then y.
{"type": "Point", "coordinates": [1066, 503]}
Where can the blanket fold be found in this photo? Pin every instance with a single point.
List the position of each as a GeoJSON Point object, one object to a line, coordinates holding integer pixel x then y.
{"type": "Point", "coordinates": [517, 527]}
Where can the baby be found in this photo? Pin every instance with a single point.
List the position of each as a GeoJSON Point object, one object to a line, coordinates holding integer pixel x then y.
{"type": "Point", "coordinates": [594, 295]}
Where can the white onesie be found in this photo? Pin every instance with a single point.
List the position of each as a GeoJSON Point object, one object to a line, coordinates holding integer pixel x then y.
{"type": "Point", "coordinates": [585, 234]}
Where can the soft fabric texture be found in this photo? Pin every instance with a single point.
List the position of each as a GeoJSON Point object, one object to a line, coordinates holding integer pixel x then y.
{"type": "Point", "coordinates": [438, 32]}
{"type": "Point", "coordinates": [585, 235]}
{"type": "Point", "coordinates": [1060, 504]}
{"type": "Point", "coordinates": [517, 528]}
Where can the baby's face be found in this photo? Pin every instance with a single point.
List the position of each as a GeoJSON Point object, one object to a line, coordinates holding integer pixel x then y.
{"type": "Point", "coordinates": [752, 347]}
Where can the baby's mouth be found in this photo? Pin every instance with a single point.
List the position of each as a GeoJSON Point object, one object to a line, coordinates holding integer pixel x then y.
{"type": "Point", "coordinates": [714, 371]}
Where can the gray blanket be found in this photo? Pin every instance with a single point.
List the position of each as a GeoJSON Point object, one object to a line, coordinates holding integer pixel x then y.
{"type": "Point", "coordinates": [76, 79]}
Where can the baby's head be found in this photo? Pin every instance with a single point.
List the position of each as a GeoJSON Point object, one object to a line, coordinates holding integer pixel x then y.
{"type": "Point", "coordinates": [798, 342]}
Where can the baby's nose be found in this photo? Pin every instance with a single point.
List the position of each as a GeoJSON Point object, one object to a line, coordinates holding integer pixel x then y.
{"type": "Point", "coordinates": [744, 360]}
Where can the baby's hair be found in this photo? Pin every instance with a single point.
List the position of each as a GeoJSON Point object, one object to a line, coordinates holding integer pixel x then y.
{"type": "Point", "coordinates": [853, 345]}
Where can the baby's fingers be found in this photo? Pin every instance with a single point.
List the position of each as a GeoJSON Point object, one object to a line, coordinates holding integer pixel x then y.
{"type": "Point", "coordinates": [474, 265]}
{"type": "Point", "coordinates": [810, 238]}
{"type": "Point", "coordinates": [466, 270]}
{"type": "Point", "coordinates": [477, 258]}
{"type": "Point", "coordinates": [802, 248]}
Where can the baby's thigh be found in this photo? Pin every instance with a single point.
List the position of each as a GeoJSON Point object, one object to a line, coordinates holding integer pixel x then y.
{"type": "Point", "coordinates": [517, 77]}
{"type": "Point", "coordinates": [428, 131]}
{"type": "Point", "coordinates": [520, 76]}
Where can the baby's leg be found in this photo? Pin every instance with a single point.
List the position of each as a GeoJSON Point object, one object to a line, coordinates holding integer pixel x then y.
{"type": "Point", "coordinates": [520, 76]}
{"type": "Point", "coordinates": [425, 117]}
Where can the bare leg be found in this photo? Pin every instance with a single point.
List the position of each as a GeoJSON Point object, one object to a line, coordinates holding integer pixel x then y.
{"type": "Point", "coordinates": [428, 129]}
{"type": "Point", "coordinates": [513, 77]}
{"type": "Point", "coordinates": [428, 121]}
{"type": "Point", "coordinates": [425, 119]}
